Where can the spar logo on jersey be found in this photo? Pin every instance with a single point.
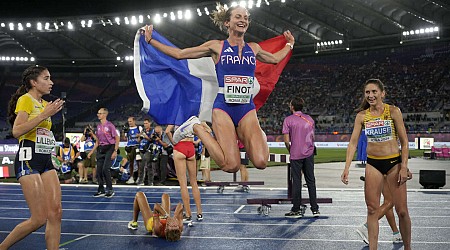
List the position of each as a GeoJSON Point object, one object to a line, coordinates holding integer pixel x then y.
{"type": "Point", "coordinates": [238, 79]}
{"type": "Point", "coordinates": [379, 123]}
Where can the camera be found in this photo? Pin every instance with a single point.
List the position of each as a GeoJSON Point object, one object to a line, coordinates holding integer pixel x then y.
{"type": "Point", "coordinates": [87, 131]}
{"type": "Point", "coordinates": [155, 152]}
{"type": "Point", "coordinates": [154, 136]}
{"type": "Point", "coordinates": [125, 128]}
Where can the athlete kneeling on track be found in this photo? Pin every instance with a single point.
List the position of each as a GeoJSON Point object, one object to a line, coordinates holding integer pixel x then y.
{"type": "Point", "coordinates": [158, 222]}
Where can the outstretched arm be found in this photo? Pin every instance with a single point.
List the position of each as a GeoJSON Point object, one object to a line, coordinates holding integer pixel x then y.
{"type": "Point", "coordinates": [267, 57]}
{"type": "Point", "coordinates": [204, 50]}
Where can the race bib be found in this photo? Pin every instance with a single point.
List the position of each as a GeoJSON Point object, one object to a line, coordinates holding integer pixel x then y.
{"type": "Point", "coordinates": [45, 141]}
{"type": "Point", "coordinates": [238, 89]}
{"type": "Point", "coordinates": [25, 154]}
{"type": "Point", "coordinates": [379, 131]}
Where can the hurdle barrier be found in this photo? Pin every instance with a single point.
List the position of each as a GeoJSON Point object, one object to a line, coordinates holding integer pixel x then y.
{"type": "Point", "coordinates": [266, 203]}
{"type": "Point", "coordinates": [222, 184]}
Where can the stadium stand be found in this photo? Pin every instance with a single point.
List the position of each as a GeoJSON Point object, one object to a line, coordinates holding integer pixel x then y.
{"type": "Point", "coordinates": [416, 77]}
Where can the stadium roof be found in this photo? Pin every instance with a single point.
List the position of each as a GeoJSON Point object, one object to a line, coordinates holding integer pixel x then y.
{"type": "Point", "coordinates": [359, 24]}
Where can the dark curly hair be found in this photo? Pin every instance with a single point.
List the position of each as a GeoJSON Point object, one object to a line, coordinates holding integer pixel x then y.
{"type": "Point", "coordinates": [31, 73]}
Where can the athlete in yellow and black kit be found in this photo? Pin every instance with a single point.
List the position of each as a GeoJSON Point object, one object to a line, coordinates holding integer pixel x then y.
{"type": "Point", "coordinates": [387, 163]}
{"type": "Point", "coordinates": [29, 116]}
{"type": "Point", "coordinates": [381, 129]}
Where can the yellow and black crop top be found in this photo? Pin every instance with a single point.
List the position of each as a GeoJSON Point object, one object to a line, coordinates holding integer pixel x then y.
{"type": "Point", "coordinates": [33, 108]}
{"type": "Point", "coordinates": [380, 128]}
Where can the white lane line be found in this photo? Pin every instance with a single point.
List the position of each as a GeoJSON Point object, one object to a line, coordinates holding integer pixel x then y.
{"type": "Point", "coordinates": [241, 238]}
{"type": "Point", "coordinates": [239, 209]}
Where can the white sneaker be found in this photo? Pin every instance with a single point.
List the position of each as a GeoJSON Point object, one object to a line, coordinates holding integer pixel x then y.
{"type": "Point", "coordinates": [130, 181]}
{"type": "Point", "coordinates": [186, 129]}
{"type": "Point", "coordinates": [363, 233]}
{"type": "Point", "coordinates": [397, 237]}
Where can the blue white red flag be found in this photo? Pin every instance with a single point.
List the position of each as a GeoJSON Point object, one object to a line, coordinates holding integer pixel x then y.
{"type": "Point", "coordinates": [173, 90]}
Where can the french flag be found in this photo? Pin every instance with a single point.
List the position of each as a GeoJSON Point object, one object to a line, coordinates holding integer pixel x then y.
{"type": "Point", "coordinates": [174, 90]}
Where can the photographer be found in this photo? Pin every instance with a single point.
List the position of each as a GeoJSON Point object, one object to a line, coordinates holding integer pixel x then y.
{"type": "Point", "coordinates": [120, 169]}
{"type": "Point", "coordinates": [131, 134]}
{"type": "Point", "coordinates": [88, 155]}
{"type": "Point", "coordinates": [161, 150]}
{"type": "Point", "coordinates": [67, 154]}
{"type": "Point", "coordinates": [145, 168]}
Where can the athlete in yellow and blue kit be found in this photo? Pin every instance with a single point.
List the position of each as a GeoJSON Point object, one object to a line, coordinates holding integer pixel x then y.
{"type": "Point", "coordinates": [29, 116]}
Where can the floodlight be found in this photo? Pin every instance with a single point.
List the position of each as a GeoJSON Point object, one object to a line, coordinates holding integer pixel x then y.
{"type": "Point", "coordinates": [420, 34]}
{"type": "Point", "coordinates": [157, 18]}
{"type": "Point", "coordinates": [133, 20]}
{"type": "Point", "coordinates": [250, 4]}
{"type": "Point", "coordinates": [329, 46]}
{"type": "Point", "coordinates": [188, 14]}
